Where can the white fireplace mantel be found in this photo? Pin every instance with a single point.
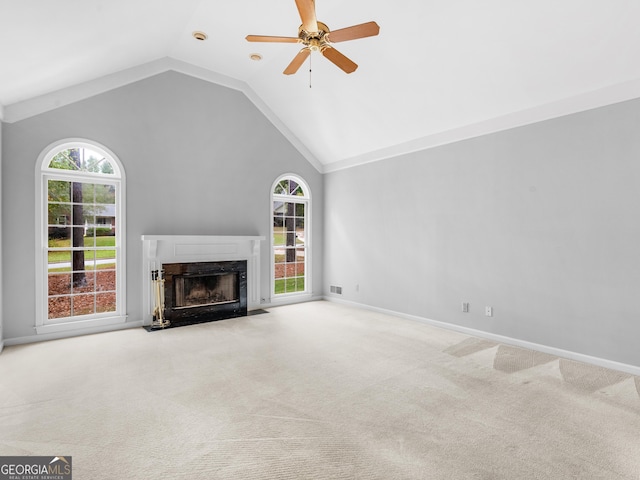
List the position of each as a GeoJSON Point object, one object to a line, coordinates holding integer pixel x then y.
{"type": "Point", "coordinates": [160, 249]}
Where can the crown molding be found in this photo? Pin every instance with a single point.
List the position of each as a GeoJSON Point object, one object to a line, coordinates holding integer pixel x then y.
{"type": "Point", "coordinates": [66, 96]}
{"type": "Point", "coordinates": [209, 76]}
{"type": "Point", "coordinates": [284, 130]}
{"type": "Point", "coordinates": [579, 103]}
{"type": "Point", "coordinates": [587, 101]}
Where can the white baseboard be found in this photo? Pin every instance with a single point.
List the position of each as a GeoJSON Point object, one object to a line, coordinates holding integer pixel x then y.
{"type": "Point", "coordinates": [579, 357]}
{"type": "Point", "coordinates": [70, 333]}
{"type": "Point", "coordinates": [281, 301]}
{"type": "Point", "coordinates": [122, 326]}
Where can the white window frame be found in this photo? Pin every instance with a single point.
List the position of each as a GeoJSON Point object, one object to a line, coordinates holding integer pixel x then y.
{"type": "Point", "coordinates": [43, 324]}
{"type": "Point", "coordinates": [306, 199]}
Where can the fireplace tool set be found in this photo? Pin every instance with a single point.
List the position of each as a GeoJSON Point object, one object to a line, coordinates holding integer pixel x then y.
{"type": "Point", "coordinates": [157, 279]}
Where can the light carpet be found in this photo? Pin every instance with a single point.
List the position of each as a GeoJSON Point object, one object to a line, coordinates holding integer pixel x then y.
{"type": "Point", "coordinates": [315, 391]}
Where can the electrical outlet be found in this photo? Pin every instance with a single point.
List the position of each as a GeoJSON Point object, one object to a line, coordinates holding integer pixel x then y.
{"type": "Point", "coordinates": [488, 311]}
{"type": "Point", "coordinates": [465, 307]}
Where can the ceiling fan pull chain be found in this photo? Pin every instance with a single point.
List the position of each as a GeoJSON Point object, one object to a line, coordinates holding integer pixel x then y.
{"type": "Point", "coordinates": [309, 71]}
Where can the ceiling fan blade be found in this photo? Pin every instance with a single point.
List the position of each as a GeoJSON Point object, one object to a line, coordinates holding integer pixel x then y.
{"type": "Point", "coordinates": [369, 29]}
{"type": "Point", "coordinates": [297, 61]}
{"type": "Point", "coordinates": [339, 60]}
{"type": "Point", "coordinates": [267, 38]}
{"type": "Point", "coordinates": [307, 10]}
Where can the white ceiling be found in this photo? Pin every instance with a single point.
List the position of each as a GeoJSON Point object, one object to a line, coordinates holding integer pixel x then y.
{"type": "Point", "coordinates": [440, 70]}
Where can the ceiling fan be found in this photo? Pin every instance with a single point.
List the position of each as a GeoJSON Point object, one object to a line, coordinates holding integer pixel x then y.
{"type": "Point", "coordinates": [316, 36]}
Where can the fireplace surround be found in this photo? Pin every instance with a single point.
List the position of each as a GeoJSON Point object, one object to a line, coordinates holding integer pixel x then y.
{"type": "Point", "coordinates": [198, 253]}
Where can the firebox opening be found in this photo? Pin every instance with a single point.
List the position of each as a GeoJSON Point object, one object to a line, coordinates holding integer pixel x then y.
{"type": "Point", "coordinates": [196, 292]}
{"type": "Point", "coordinates": [205, 290]}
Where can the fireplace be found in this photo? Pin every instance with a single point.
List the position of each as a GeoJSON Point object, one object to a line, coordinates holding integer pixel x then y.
{"type": "Point", "coordinates": [202, 291]}
{"type": "Point", "coordinates": [199, 252]}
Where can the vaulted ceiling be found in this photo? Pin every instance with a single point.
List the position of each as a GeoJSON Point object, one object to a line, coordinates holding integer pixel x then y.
{"type": "Point", "coordinates": [439, 71]}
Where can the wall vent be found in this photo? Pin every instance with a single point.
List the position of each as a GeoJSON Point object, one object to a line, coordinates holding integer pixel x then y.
{"type": "Point", "coordinates": [334, 289]}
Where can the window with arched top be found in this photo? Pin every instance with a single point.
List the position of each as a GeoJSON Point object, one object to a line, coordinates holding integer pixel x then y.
{"type": "Point", "coordinates": [290, 238]}
{"type": "Point", "coordinates": [80, 207]}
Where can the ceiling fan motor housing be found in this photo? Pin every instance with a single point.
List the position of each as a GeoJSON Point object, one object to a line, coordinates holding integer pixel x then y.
{"type": "Point", "coordinates": [316, 41]}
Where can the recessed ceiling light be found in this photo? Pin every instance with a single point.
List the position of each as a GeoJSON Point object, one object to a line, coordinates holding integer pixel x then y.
{"type": "Point", "coordinates": [199, 36]}
{"type": "Point", "coordinates": [255, 56]}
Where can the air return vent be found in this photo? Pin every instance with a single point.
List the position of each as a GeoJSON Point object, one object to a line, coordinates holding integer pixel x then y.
{"type": "Point", "coordinates": [334, 289]}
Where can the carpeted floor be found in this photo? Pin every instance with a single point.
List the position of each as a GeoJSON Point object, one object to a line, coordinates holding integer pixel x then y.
{"type": "Point", "coordinates": [315, 391]}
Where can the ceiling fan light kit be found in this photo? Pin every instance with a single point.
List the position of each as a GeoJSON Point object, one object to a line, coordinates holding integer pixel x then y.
{"type": "Point", "coordinates": [316, 37]}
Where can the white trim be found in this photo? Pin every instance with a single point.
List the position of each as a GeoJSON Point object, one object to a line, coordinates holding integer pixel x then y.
{"type": "Point", "coordinates": [282, 300]}
{"type": "Point", "coordinates": [72, 333]}
{"type": "Point", "coordinates": [43, 325]}
{"type": "Point", "coordinates": [171, 64]}
{"type": "Point", "coordinates": [296, 178]}
{"type": "Point", "coordinates": [587, 101]}
{"type": "Point", "coordinates": [283, 129]}
{"type": "Point", "coordinates": [308, 287]}
{"type": "Point", "coordinates": [212, 77]}
{"type": "Point", "coordinates": [75, 93]}
{"type": "Point", "coordinates": [160, 249]}
{"type": "Point", "coordinates": [66, 96]}
{"type": "Point", "coordinates": [79, 324]}
{"type": "Point", "coordinates": [558, 352]}
{"type": "Point", "coordinates": [63, 144]}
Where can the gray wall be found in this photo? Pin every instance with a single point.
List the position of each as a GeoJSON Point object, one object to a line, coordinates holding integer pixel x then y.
{"type": "Point", "coordinates": [539, 222]}
{"type": "Point", "coordinates": [199, 159]}
{"type": "Point", "coordinates": [1, 251]}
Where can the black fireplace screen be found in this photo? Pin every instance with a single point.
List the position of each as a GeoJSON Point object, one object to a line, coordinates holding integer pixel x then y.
{"type": "Point", "coordinates": [205, 290]}
{"type": "Point", "coordinates": [198, 291]}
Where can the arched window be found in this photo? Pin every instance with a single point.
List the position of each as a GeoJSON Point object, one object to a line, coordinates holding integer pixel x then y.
{"type": "Point", "coordinates": [290, 238]}
{"type": "Point", "coordinates": [81, 266]}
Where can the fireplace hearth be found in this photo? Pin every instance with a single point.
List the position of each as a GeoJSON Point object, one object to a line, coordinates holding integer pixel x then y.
{"type": "Point", "coordinates": [196, 292]}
